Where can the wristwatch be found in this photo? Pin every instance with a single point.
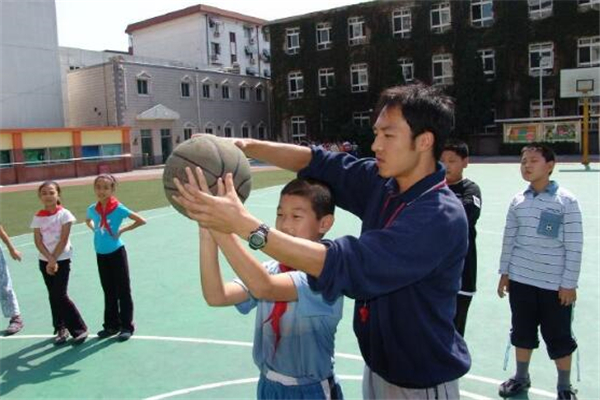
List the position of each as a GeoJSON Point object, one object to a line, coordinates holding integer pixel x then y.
{"type": "Point", "coordinates": [258, 237]}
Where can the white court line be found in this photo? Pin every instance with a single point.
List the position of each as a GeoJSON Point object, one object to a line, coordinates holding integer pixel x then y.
{"type": "Point", "coordinates": [355, 357]}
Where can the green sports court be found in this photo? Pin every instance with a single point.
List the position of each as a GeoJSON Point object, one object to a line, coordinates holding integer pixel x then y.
{"type": "Point", "coordinates": [184, 349]}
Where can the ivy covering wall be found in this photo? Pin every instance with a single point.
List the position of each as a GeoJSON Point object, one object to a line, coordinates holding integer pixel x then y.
{"type": "Point", "coordinates": [330, 117]}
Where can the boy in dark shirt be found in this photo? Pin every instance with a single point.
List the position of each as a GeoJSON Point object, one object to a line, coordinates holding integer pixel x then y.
{"type": "Point", "coordinates": [455, 158]}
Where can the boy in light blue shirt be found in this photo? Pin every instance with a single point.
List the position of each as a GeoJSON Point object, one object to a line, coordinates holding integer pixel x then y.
{"type": "Point", "coordinates": [295, 326]}
{"type": "Point", "coordinates": [539, 269]}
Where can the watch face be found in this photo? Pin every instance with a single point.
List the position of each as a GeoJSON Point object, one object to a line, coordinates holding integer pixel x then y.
{"type": "Point", "coordinates": [257, 240]}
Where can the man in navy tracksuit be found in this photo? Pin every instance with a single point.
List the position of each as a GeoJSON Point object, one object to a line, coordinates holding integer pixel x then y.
{"type": "Point", "coordinates": [404, 269]}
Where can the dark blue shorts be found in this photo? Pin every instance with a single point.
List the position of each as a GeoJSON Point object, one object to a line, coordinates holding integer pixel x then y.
{"type": "Point", "coordinates": [532, 307]}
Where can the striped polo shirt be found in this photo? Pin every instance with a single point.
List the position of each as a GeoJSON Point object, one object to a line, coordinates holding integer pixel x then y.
{"type": "Point", "coordinates": [543, 239]}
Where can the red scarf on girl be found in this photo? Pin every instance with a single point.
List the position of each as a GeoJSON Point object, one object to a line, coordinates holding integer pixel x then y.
{"type": "Point", "coordinates": [278, 310]}
{"type": "Point", "coordinates": [111, 204]}
{"type": "Point", "coordinates": [46, 213]}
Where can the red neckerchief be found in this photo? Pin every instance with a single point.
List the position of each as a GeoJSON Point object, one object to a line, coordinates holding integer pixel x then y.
{"type": "Point", "coordinates": [111, 204]}
{"type": "Point", "coordinates": [46, 213]}
{"type": "Point", "coordinates": [278, 310]}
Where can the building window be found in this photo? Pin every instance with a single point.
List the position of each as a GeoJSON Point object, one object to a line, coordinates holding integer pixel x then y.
{"type": "Point", "coordinates": [441, 19]}
{"type": "Point", "coordinates": [245, 130]}
{"type": "Point", "coordinates": [228, 130]}
{"type": "Point", "coordinates": [185, 89]}
{"type": "Point", "coordinates": [356, 31]}
{"type": "Point", "coordinates": [97, 151]}
{"type": "Point", "coordinates": [5, 158]}
{"type": "Point", "coordinates": [206, 90]}
{"type": "Point", "coordinates": [259, 93]}
{"type": "Point", "coordinates": [482, 13]}
{"type": "Point", "coordinates": [225, 93]}
{"type": "Point", "coordinates": [232, 47]}
{"type": "Point", "coordinates": [541, 58]}
{"type": "Point", "coordinates": [488, 62]}
{"type": "Point", "coordinates": [585, 5]}
{"type": "Point", "coordinates": [442, 69]}
{"type": "Point", "coordinates": [407, 66]}
{"type": "Point", "coordinates": [539, 9]}
{"type": "Point", "coordinates": [594, 105]}
{"type": "Point", "coordinates": [298, 128]}
{"type": "Point", "coordinates": [548, 108]}
{"type": "Point", "coordinates": [401, 22]}
{"type": "Point", "coordinates": [244, 91]}
{"type": "Point", "coordinates": [361, 118]}
{"type": "Point", "coordinates": [326, 80]}
{"type": "Point", "coordinates": [215, 52]}
{"type": "Point", "coordinates": [142, 86]}
{"type": "Point", "coordinates": [187, 133]}
{"type": "Point", "coordinates": [295, 85]}
{"type": "Point", "coordinates": [359, 77]}
{"type": "Point", "coordinates": [588, 52]}
{"type": "Point", "coordinates": [52, 155]}
{"type": "Point", "coordinates": [209, 128]}
{"type": "Point", "coordinates": [262, 131]}
{"type": "Point", "coordinates": [323, 36]}
{"type": "Point", "coordinates": [292, 40]}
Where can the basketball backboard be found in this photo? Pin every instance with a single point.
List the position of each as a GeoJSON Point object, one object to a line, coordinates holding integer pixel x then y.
{"type": "Point", "coordinates": [577, 81]}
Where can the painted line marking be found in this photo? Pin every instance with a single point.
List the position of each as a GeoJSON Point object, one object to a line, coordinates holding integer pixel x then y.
{"type": "Point", "coordinates": [354, 357]}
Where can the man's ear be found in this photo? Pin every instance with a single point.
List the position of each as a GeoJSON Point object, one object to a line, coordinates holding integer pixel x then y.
{"type": "Point", "coordinates": [425, 141]}
{"type": "Point", "coordinates": [326, 223]}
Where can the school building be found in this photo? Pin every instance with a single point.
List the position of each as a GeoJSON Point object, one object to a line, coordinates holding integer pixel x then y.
{"type": "Point", "coordinates": [37, 154]}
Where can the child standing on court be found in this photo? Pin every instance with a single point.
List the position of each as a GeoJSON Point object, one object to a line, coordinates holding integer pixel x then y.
{"type": "Point", "coordinates": [455, 158]}
{"type": "Point", "coordinates": [295, 327]}
{"type": "Point", "coordinates": [52, 227]}
{"type": "Point", "coordinates": [539, 267]}
{"type": "Point", "coordinates": [8, 297]}
{"type": "Point", "coordinates": [104, 218]}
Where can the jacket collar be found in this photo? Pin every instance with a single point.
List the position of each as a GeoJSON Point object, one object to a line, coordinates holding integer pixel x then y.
{"type": "Point", "coordinates": [419, 188]}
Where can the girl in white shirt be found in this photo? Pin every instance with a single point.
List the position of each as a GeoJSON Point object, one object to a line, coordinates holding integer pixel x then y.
{"type": "Point", "coordinates": [52, 226]}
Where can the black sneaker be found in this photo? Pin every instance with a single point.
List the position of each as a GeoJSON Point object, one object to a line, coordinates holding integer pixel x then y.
{"type": "Point", "coordinates": [124, 336]}
{"type": "Point", "coordinates": [513, 387]}
{"type": "Point", "coordinates": [568, 394]}
{"type": "Point", "coordinates": [104, 333]}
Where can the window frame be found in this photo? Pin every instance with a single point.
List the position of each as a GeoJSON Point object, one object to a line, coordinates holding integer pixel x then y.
{"type": "Point", "coordinates": [300, 122]}
{"type": "Point", "coordinates": [320, 28]}
{"type": "Point", "coordinates": [482, 21]}
{"type": "Point", "coordinates": [329, 75]}
{"type": "Point", "coordinates": [547, 104]}
{"type": "Point", "coordinates": [539, 49]}
{"type": "Point", "coordinates": [539, 9]}
{"type": "Point", "coordinates": [291, 33]}
{"type": "Point", "coordinates": [298, 78]}
{"type": "Point", "coordinates": [362, 37]}
{"type": "Point", "coordinates": [485, 54]}
{"type": "Point", "coordinates": [407, 63]}
{"type": "Point", "coordinates": [443, 8]}
{"type": "Point", "coordinates": [444, 79]}
{"type": "Point", "coordinates": [359, 71]}
{"type": "Point", "coordinates": [402, 15]}
{"type": "Point", "coordinates": [593, 44]}
{"type": "Point", "coordinates": [359, 117]}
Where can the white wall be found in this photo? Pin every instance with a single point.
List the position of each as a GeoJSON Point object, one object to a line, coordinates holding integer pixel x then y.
{"type": "Point", "coordinates": [30, 83]}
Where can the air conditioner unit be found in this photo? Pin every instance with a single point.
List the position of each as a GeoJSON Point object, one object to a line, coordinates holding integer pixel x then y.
{"type": "Point", "coordinates": [252, 61]}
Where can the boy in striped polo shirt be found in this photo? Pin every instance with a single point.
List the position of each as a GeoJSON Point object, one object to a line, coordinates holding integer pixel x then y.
{"type": "Point", "coordinates": [540, 263]}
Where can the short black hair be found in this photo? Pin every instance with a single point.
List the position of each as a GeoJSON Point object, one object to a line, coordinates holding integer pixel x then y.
{"type": "Point", "coordinates": [318, 193]}
{"type": "Point", "coordinates": [457, 146]}
{"type": "Point", "coordinates": [546, 151]}
{"type": "Point", "coordinates": [425, 108]}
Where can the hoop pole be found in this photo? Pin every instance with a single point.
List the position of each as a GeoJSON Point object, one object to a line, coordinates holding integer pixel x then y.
{"type": "Point", "coordinates": [586, 128]}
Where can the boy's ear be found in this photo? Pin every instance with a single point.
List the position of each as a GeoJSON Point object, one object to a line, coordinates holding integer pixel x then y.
{"type": "Point", "coordinates": [465, 162]}
{"type": "Point", "coordinates": [326, 223]}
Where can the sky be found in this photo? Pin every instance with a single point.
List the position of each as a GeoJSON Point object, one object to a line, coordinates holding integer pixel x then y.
{"type": "Point", "coordinates": [100, 24]}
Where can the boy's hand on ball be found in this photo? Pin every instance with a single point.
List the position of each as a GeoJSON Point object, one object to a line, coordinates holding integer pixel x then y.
{"type": "Point", "coordinates": [221, 212]}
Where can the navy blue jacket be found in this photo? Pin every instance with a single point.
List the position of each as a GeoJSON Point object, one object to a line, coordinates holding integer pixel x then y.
{"type": "Point", "coordinates": [403, 271]}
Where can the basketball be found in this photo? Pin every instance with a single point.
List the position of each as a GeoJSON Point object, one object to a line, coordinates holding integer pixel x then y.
{"type": "Point", "coordinates": [216, 157]}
